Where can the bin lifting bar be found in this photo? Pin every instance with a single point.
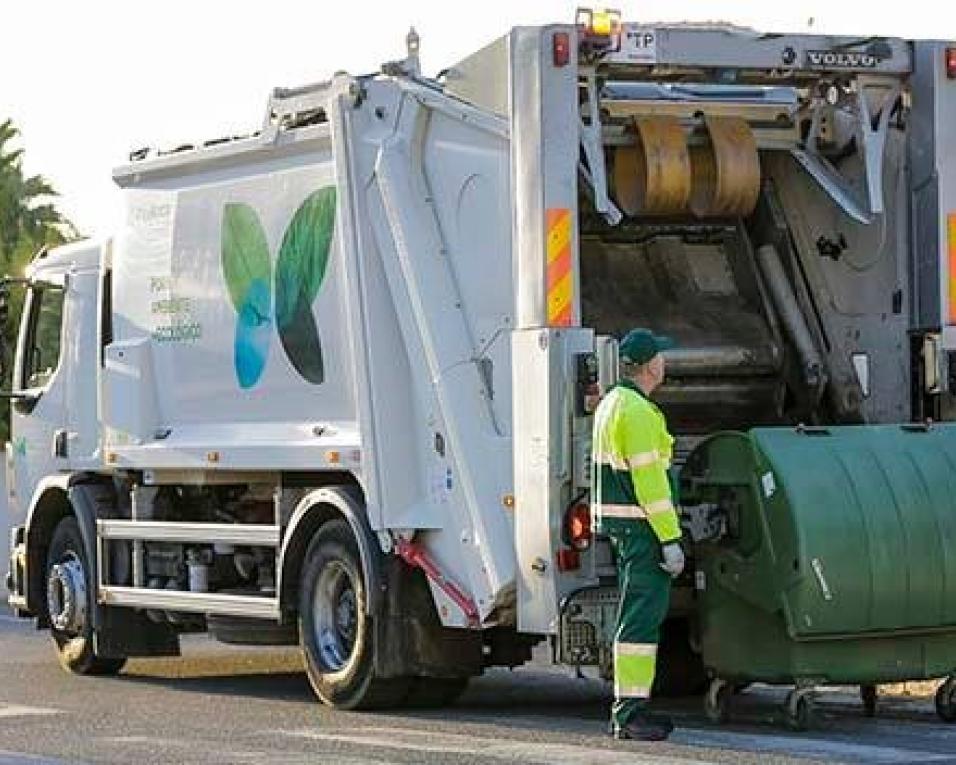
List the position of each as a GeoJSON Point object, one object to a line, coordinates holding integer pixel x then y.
{"type": "Point", "coordinates": [416, 557]}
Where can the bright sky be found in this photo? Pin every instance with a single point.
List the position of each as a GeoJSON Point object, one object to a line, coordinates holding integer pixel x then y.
{"type": "Point", "coordinates": [88, 81]}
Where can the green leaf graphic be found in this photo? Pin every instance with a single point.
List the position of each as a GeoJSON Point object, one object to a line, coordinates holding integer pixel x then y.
{"type": "Point", "coordinates": [300, 270]}
{"type": "Point", "coordinates": [300, 340]}
{"type": "Point", "coordinates": [304, 253]}
{"type": "Point", "coordinates": [245, 253]}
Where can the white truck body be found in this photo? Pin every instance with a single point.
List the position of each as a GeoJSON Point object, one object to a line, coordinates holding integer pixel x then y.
{"type": "Point", "coordinates": [416, 308]}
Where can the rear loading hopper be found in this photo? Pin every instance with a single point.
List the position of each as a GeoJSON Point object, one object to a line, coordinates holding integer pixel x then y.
{"type": "Point", "coordinates": [836, 563]}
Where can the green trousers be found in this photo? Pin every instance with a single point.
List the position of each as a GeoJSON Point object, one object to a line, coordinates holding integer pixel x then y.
{"type": "Point", "coordinates": [645, 596]}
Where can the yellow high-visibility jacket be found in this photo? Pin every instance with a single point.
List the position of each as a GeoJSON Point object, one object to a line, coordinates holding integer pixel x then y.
{"type": "Point", "coordinates": [631, 455]}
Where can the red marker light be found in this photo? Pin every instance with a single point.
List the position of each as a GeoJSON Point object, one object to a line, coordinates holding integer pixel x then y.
{"type": "Point", "coordinates": [951, 63]}
{"type": "Point", "coordinates": [579, 526]}
{"type": "Point", "coordinates": [561, 48]}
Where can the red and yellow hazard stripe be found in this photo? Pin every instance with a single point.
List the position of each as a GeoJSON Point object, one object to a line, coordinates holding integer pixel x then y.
{"type": "Point", "coordinates": [560, 278]}
{"type": "Point", "coordinates": [951, 262]}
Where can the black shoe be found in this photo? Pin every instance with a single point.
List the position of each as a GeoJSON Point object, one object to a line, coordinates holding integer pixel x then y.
{"type": "Point", "coordinates": [641, 728]}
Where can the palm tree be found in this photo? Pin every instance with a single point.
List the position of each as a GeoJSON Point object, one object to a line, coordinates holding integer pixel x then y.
{"type": "Point", "coordinates": [28, 222]}
{"type": "Point", "coordinates": [25, 219]}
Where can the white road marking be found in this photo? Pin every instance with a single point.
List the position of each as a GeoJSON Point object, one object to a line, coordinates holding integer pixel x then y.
{"type": "Point", "coordinates": [515, 751]}
{"type": "Point", "coordinates": [218, 753]}
{"type": "Point", "coordinates": [804, 746]}
{"type": "Point", "coordinates": [17, 710]}
{"type": "Point", "coordinates": [22, 758]}
{"type": "Point", "coordinates": [807, 746]}
{"type": "Point", "coordinates": [927, 728]}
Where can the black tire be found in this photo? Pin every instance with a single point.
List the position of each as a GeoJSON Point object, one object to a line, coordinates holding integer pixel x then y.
{"type": "Point", "coordinates": [800, 711]}
{"type": "Point", "coordinates": [74, 645]}
{"type": "Point", "coordinates": [869, 696]}
{"type": "Point", "coordinates": [435, 692]}
{"type": "Point", "coordinates": [946, 700]}
{"type": "Point", "coordinates": [717, 701]}
{"type": "Point", "coordinates": [332, 602]}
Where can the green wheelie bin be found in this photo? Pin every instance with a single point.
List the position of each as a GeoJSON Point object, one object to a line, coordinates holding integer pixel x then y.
{"type": "Point", "coordinates": [834, 563]}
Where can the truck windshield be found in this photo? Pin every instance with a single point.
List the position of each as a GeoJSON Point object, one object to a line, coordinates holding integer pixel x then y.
{"type": "Point", "coordinates": [43, 341]}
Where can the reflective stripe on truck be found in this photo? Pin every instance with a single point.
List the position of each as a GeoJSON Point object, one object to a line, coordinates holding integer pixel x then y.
{"type": "Point", "coordinates": [560, 274]}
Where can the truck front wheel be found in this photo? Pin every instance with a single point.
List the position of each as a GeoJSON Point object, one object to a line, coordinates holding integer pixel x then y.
{"type": "Point", "coordinates": [335, 631]}
{"type": "Point", "coordinates": [70, 604]}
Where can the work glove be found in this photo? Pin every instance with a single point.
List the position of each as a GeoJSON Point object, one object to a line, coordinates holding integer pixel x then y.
{"type": "Point", "coordinates": [672, 555]}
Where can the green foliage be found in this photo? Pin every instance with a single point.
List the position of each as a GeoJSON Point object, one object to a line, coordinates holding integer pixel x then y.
{"type": "Point", "coordinates": [28, 223]}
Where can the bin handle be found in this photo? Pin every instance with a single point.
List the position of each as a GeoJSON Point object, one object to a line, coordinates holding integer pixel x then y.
{"type": "Point", "coordinates": [812, 430]}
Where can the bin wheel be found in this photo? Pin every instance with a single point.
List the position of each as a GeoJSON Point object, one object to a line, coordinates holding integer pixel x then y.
{"type": "Point", "coordinates": [717, 700]}
{"type": "Point", "coordinates": [946, 700]}
{"type": "Point", "coordinates": [799, 709]}
{"type": "Point", "coordinates": [869, 695]}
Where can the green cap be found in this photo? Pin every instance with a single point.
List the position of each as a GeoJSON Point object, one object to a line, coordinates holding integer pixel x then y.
{"type": "Point", "coordinates": [641, 345]}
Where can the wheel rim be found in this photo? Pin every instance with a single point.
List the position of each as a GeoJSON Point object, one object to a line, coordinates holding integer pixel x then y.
{"type": "Point", "coordinates": [66, 594]}
{"type": "Point", "coordinates": [335, 616]}
{"type": "Point", "coordinates": [716, 701]}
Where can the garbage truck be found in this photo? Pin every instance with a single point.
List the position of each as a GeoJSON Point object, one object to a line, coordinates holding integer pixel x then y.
{"type": "Point", "coordinates": [331, 383]}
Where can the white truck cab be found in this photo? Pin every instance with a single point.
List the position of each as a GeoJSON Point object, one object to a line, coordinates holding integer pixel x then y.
{"type": "Point", "coordinates": [55, 408]}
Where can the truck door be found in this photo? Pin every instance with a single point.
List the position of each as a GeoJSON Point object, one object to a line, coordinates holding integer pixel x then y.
{"type": "Point", "coordinates": [38, 435]}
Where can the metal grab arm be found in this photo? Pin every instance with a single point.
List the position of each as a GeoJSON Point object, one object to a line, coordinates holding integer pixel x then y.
{"type": "Point", "coordinates": [871, 139]}
{"type": "Point", "coordinates": [417, 557]}
{"type": "Point", "coordinates": [591, 142]}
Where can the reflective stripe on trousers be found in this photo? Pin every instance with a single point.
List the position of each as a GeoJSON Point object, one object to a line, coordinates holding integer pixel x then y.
{"type": "Point", "coordinates": [634, 670]}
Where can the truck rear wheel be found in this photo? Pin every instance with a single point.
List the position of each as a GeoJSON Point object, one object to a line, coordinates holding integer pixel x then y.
{"type": "Point", "coordinates": [335, 631]}
{"type": "Point", "coordinates": [70, 604]}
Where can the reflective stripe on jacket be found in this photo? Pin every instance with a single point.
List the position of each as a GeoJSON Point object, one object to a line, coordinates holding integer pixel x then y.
{"type": "Point", "coordinates": [631, 455]}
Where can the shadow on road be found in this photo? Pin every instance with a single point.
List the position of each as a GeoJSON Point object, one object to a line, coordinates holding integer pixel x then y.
{"type": "Point", "coordinates": [518, 699]}
{"type": "Point", "coordinates": [274, 686]}
{"type": "Point", "coordinates": [498, 691]}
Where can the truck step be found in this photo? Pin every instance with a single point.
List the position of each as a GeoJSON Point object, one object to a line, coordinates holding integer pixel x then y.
{"type": "Point", "coordinates": [164, 531]}
{"type": "Point", "coordinates": [195, 602]}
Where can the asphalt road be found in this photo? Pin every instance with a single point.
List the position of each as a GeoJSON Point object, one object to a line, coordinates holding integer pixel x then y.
{"type": "Point", "coordinates": [221, 704]}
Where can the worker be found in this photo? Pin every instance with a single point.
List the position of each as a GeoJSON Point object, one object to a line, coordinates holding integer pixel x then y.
{"type": "Point", "coordinates": [632, 504]}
